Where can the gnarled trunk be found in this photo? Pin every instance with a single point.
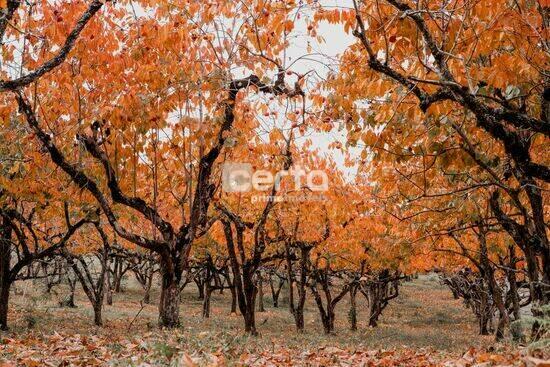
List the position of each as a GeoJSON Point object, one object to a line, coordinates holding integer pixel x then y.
{"type": "Point", "coordinates": [379, 291]}
{"type": "Point", "coordinates": [322, 277]}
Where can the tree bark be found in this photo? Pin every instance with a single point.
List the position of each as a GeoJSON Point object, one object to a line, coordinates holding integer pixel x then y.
{"type": "Point", "coordinates": [5, 281]}
{"type": "Point", "coordinates": [297, 309]}
{"type": "Point", "coordinates": [98, 320]}
{"type": "Point", "coordinates": [326, 311]}
{"type": "Point", "coordinates": [108, 288]}
{"type": "Point", "coordinates": [147, 295]}
{"type": "Point", "coordinates": [206, 302]}
{"type": "Point", "coordinates": [233, 290]}
{"type": "Point", "coordinates": [512, 281]}
{"type": "Point", "coordinates": [4, 303]}
{"type": "Point", "coordinates": [169, 299]}
{"type": "Point", "coordinates": [353, 307]}
{"type": "Point", "coordinates": [250, 292]}
{"type": "Point", "coordinates": [276, 291]}
{"type": "Point", "coordinates": [494, 288]}
{"type": "Point", "coordinates": [250, 321]}
{"type": "Point", "coordinates": [200, 287]}
{"type": "Point", "coordinates": [261, 307]}
{"type": "Point", "coordinates": [72, 289]}
{"type": "Point", "coordinates": [379, 291]}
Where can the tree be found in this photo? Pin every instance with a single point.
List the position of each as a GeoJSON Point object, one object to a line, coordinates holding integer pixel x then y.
{"type": "Point", "coordinates": [207, 100]}
{"type": "Point", "coordinates": [90, 277]}
{"type": "Point", "coordinates": [436, 90]}
{"type": "Point", "coordinates": [27, 237]}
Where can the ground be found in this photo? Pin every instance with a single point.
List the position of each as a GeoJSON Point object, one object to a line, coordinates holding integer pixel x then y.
{"type": "Point", "coordinates": [423, 326]}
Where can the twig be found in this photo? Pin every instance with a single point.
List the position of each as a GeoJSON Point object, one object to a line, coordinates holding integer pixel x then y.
{"type": "Point", "coordinates": [135, 317]}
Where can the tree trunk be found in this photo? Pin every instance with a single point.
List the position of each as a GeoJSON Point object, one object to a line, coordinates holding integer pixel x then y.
{"type": "Point", "coordinates": [147, 295]}
{"type": "Point", "coordinates": [206, 302]}
{"type": "Point", "coordinates": [97, 314]}
{"type": "Point", "coordinates": [200, 287]}
{"type": "Point", "coordinates": [326, 324]}
{"type": "Point", "coordinates": [290, 278]}
{"type": "Point", "coordinates": [208, 288]}
{"type": "Point", "coordinates": [108, 288]}
{"type": "Point", "coordinates": [242, 280]}
{"type": "Point", "coordinates": [4, 303]}
{"type": "Point", "coordinates": [276, 291]}
{"type": "Point", "coordinates": [250, 321]}
{"type": "Point", "coordinates": [298, 309]}
{"type": "Point", "coordinates": [483, 316]}
{"type": "Point", "coordinates": [233, 297]}
{"type": "Point", "coordinates": [511, 276]}
{"type": "Point", "coordinates": [261, 307]}
{"type": "Point", "coordinates": [353, 308]}
{"type": "Point", "coordinates": [483, 323]}
{"type": "Point", "coordinates": [5, 281]}
{"type": "Point", "coordinates": [72, 290]}
{"type": "Point", "coordinates": [169, 300]}
{"type": "Point", "coordinates": [327, 312]}
{"type": "Point", "coordinates": [250, 291]}
{"type": "Point", "coordinates": [374, 313]}
{"type": "Point", "coordinates": [494, 288]}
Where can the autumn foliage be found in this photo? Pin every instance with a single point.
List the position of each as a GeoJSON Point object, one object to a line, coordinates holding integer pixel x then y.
{"type": "Point", "coordinates": [118, 120]}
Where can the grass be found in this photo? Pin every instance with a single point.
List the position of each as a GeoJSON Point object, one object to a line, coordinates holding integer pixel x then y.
{"type": "Point", "coordinates": [424, 316]}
